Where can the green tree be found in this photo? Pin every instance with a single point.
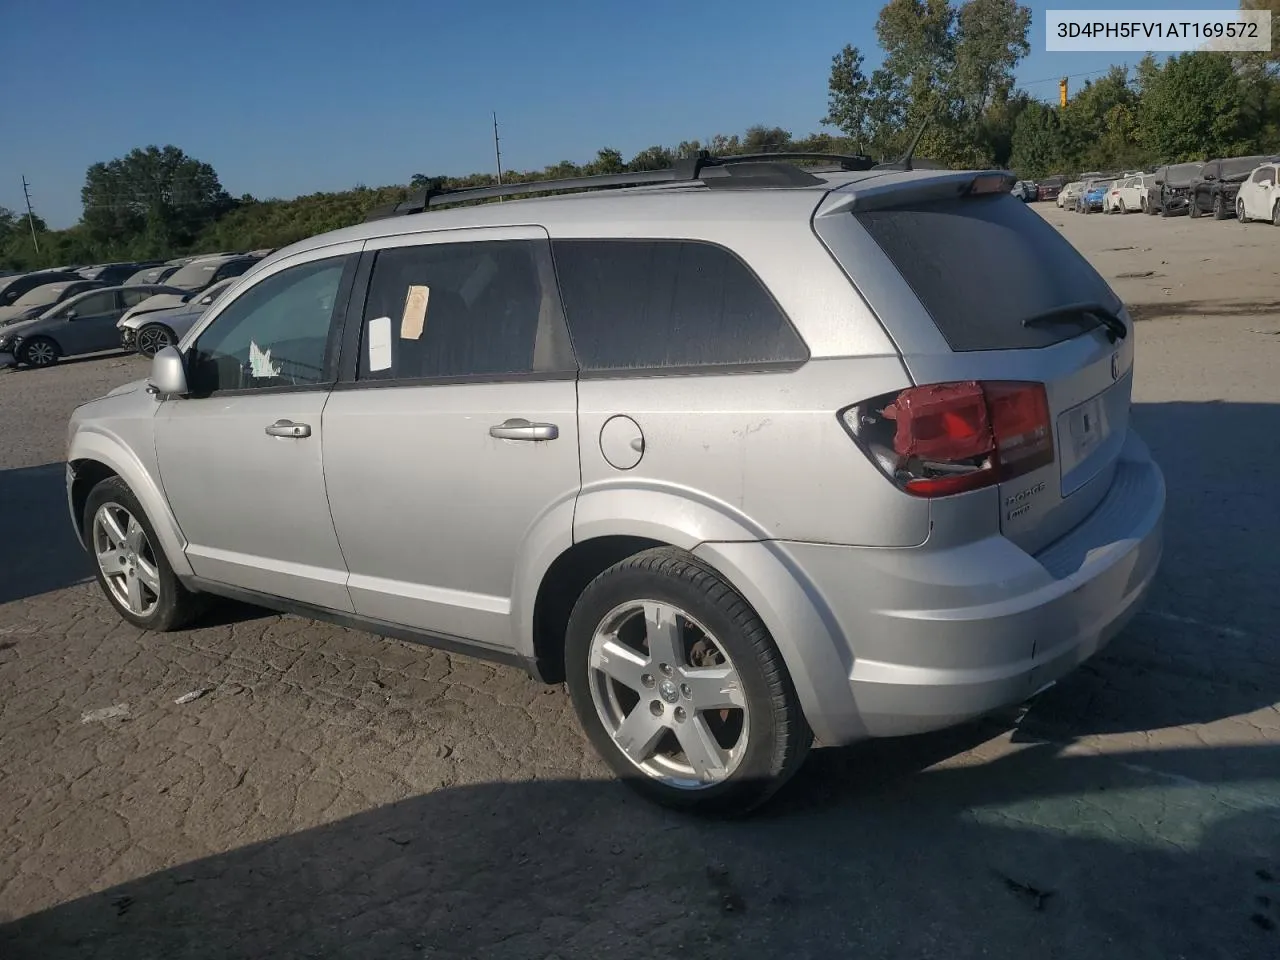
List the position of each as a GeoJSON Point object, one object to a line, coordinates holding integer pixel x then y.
{"type": "Point", "coordinates": [151, 200]}
{"type": "Point", "coordinates": [1191, 108]}
{"type": "Point", "coordinates": [1038, 142]}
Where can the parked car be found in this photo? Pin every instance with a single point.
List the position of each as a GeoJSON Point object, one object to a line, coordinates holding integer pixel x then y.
{"type": "Point", "coordinates": [1258, 198]}
{"type": "Point", "coordinates": [1050, 188]}
{"type": "Point", "coordinates": [82, 323]}
{"type": "Point", "coordinates": [1130, 194]}
{"type": "Point", "coordinates": [1169, 189]}
{"type": "Point", "coordinates": [1092, 195]}
{"type": "Point", "coordinates": [114, 274]}
{"type": "Point", "coordinates": [156, 274]}
{"type": "Point", "coordinates": [199, 274]}
{"type": "Point", "coordinates": [39, 299]}
{"type": "Point", "coordinates": [1069, 195]}
{"type": "Point", "coordinates": [632, 472]}
{"type": "Point", "coordinates": [149, 332]}
{"type": "Point", "coordinates": [1214, 189]}
{"type": "Point", "coordinates": [1024, 190]}
{"type": "Point", "coordinates": [19, 284]}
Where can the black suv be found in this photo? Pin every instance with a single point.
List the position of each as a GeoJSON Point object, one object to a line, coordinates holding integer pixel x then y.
{"type": "Point", "coordinates": [1169, 191]}
{"type": "Point", "coordinates": [1215, 188]}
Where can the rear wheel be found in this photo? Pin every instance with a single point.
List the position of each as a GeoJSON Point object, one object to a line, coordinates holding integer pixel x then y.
{"type": "Point", "coordinates": [1193, 208]}
{"type": "Point", "coordinates": [40, 352]}
{"type": "Point", "coordinates": [1275, 214]}
{"type": "Point", "coordinates": [1219, 208]}
{"type": "Point", "coordinates": [1122, 207]}
{"type": "Point", "coordinates": [131, 567]}
{"type": "Point", "coordinates": [153, 338]}
{"type": "Point", "coordinates": [680, 687]}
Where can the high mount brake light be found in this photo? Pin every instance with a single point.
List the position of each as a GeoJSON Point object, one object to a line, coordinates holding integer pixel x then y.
{"type": "Point", "coordinates": [948, 438]}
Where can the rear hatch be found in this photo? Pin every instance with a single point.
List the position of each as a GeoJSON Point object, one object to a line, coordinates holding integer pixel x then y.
{"type": "Point", "coordinates": [974, 286]}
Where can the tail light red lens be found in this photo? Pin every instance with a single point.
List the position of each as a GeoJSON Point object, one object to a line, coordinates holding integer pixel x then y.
{"type": "Point", "coordinates": [948, 438]}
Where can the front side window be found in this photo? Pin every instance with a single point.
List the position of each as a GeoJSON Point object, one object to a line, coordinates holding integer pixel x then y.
{"type": "Point", "coordinates": [275, 334]}
{"type": "Point", "coordinates": [653, 304]}
{"type": "Point", "coordinates": [94, 305]}
{"type": "Point", "coordinates": [485, 308]}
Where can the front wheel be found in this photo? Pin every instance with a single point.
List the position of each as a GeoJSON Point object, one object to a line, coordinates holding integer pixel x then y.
{"type": "Point", "coordinates": [153, 338]}
{"type": "Point", "coordinates": [1240, 211]}
{"type": "Point", "coordinates": [680, 687]}
{"type": "Point", "coordinates": [1275, 214]}
{"type": "Point", "coordinates": [131, 567]}
{"type": "Point", "coordinates": [40, 352]}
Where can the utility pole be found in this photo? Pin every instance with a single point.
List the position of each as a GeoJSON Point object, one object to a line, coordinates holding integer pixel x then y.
{"type": "Point", "coordinates": [31, 219]}
{"type": "Point", "coordinates": [497, 153]}
{"type": "Point", "coordinates": [1062, 92]}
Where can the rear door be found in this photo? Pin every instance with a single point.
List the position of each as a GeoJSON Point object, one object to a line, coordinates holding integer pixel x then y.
{"type": "Point", "coordinates": [953, 279]}
{"type": "Point", "coordinates": [90, 325]}
{"type": "Point", "coordinates": [451, 446]}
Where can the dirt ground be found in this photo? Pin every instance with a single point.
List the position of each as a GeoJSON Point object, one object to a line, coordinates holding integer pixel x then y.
{"type": "Point", "coordinates": [333, 794]}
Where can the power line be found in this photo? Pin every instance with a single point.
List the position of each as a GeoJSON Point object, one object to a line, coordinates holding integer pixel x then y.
{"type": "Point", "coordinates": [1070, 76]}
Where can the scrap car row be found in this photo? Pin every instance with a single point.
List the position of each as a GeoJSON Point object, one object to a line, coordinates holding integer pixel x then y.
{"type": "Point", "coordinates": [1240, 187]}
{"type": "Point", "coordinates": [142, 306]}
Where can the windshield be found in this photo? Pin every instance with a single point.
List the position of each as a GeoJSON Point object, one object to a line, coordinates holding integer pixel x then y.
{"type": "Point", "coordinates": [39, 296]}
{"type": "Point", "coordinates": [1182, 173]}
{"type": "Point", "coordinates": [194, 275]}
{"type": "Point", "coordinates": [1239, 166]}
{"type": "Point", "coordinates": [1102, 185]}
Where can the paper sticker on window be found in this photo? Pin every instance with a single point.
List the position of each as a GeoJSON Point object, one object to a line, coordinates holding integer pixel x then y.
{"type": "Point", "coordinates": [415, 312]}
{"type": "Point", "coordinates": [260, 365]}
{"type": "Point", "coordinates": [379, 344]}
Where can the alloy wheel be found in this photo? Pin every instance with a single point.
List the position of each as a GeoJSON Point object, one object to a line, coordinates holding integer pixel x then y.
{"type": "Point", "coordinates": [151, 340]}
{"type": "Point", "coordinates": [41, 353]}
{"type": "Point", "coordinates": [668, 695]}
{"type": "Point", "coordinates": [126, 558]}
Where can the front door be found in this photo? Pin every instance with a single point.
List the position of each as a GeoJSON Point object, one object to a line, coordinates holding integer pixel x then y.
{"type": "Point", "coordinates": [453, 449]}
{"type": "Point", "coordinates": [90, 324]}
{"type": "Point", "coordinates": [240, 456]}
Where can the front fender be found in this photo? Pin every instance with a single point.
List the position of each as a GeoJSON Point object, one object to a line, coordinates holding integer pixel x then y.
{"type": "Point", "coordinates": [96, 443]}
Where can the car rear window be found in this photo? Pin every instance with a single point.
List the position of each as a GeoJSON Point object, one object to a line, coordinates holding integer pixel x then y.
{"type": "Point", "coordinates": [982, 265]}
{"type": "Point", "coordinates": [668, 305]}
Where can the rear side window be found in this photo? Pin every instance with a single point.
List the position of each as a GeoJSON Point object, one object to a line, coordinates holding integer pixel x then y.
{"type": "Point", "coordinates": [669, 304]}
{"type": "Point", "coordinates": [982, 265]}
{"type": "Point", "coordinates": [460, 310]}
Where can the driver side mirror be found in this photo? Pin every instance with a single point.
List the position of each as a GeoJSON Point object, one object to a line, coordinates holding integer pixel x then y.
{"type": "Point", "coordinates": [168, 373]}
{"type": "Point", "coordinates": [72, 314]}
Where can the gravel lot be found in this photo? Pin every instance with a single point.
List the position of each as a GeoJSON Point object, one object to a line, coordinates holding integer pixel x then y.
{"type": "Point", "coordinates": [333, 794]}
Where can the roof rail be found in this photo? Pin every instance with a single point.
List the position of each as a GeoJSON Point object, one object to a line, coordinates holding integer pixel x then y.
{"type": "Point", "coordinates": [685, 170]}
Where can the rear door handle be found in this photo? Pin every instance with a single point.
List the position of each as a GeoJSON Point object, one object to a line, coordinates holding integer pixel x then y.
{"type": "Point", "coordinates": [287, 428]}
{"type": "Point", "coordinates": [518, 428]}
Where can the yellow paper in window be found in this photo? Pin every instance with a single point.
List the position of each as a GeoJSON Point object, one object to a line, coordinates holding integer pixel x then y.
{"type": "Point", "coordinates": [414, 316]}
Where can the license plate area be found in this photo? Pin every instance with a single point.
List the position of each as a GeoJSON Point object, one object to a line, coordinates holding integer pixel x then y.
{"type": "Point", "coordinates": [1083, 435]}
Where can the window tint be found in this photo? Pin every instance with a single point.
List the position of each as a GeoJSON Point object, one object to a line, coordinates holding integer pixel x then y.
{"type": "Point", "coordinates": [647, 304]}
{"type": "Point", "coordinates": [447, 310]}
{"type": "Point", "coordinates": [275, 334]}
{"type": "Point", "coordinates": [132, 298]}
{"type": "Point", "coordinates": [982, 265]}
{"type": "Point", "coordinates": [94, 304]}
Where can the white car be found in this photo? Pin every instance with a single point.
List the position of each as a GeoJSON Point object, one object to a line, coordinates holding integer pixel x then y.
{"type": "Point", "coordinates": [1068, 195]}
{"type": "Point", "coordinates": [1258, 198]}
{"type": "Point", "coordinates": [1128, 195]}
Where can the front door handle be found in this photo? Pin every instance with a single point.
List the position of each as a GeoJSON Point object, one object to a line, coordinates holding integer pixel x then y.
{"type": "Point", "coordinates": [287, 428]}
{"type": "Point", "coordinates": [518, 428]}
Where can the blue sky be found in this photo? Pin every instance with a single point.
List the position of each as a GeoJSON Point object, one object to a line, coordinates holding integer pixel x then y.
{"type": "Point", "coordinates": [285, 97]}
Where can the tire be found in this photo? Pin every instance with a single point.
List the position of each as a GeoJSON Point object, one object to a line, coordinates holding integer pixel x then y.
{"type": "Point", "coordinates": [1275, 214]}
{"type": "Point", "coordinates": [756, 745]}
{"type": "Point", "coordinates": [1122, 208]}
{"type": "Point", "coordinates": [1219, 208]}
{"type": "Point", "coordinates": [40, 352]}
{"type": "Point", "coordinates": [153, 338]}
{"type": "Point", "coordinates": [1193, 208]}
{"type": "Point", "coordinates": [129, 564]}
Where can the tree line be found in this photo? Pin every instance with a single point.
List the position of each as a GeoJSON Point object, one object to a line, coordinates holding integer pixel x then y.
{"type": "Point", "coordinates": [947, 67]}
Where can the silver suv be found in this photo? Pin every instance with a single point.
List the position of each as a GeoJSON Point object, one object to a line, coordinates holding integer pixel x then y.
{"type": "Point", "coordinates": [748, 456]}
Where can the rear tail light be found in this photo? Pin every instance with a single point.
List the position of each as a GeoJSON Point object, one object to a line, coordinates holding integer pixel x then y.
{"type": "Point", "coordinates": [947, 438]}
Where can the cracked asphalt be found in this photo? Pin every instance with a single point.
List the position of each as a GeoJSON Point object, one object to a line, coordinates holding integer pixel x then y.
{"type": "Point", "coordinates": [327, 793]}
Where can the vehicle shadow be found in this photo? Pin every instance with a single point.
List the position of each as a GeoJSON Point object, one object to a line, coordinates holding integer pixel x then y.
{"type": "Point", "coordinates": [1203, 648]}
{"type": "Point", "coordinates": [1033, 854]}
{"type": "Point", "coordinates": [42, 552]}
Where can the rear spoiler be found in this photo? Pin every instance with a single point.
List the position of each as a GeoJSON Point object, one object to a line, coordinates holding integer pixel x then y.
{"type": "Point", "coordinates": [878, 193]}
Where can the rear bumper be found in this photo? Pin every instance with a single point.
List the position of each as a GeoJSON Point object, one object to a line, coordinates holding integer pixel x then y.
{"type": "Point", "coordinates": [936, 636]}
